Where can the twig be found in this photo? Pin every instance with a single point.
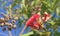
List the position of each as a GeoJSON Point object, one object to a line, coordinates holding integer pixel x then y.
{"type": "Point", "coordinates": [10, 34]}
{"type": "Point", "coordinates": [15, 32]}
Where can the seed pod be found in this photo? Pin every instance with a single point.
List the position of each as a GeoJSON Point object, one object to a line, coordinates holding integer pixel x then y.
{"type": "Point", "coordinates": [3, 29]}
{"type": "Point", "coordinates": [6, 23]}
{"type": "Point", "coordinates": [2, 20]}
{"type": "Point", "coordinates": [10, 17]}
{"type": "Point", "coordinates": [6, 17]}
{"type": "Point", "coordinates": [2, 24]}
{"type": "Point", "coordinates": [39, 9]}
{"type": "Point", "coordinates": [13, 21]}
{"type": "Point", "coordinates": [15, 18]}
{"type": "Point", "coordinates": [9, 27]}
{"type": "Point", "coordinates": [14, 26]}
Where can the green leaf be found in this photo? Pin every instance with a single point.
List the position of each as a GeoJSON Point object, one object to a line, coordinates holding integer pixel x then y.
{"type": "Point", "coordinates": [38, 34]}
{"type": "Point", "coordinates": [58, 10]}
{"type": "Point", "coordinates": [52, 23]}
{"type": "Point", "coordinates": [4, 3]}
{"type": "Point", "coordinates": [15, 3]}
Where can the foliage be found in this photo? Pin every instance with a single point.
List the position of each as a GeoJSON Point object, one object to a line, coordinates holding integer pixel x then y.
{"type": "Point", "coordinates": [37, 34]}
{"type": "Point", "coordinates": [26, 7]}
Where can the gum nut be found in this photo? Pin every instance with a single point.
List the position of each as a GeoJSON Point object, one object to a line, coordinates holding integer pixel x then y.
{"type": "Point", "coordinates": [9, 28]}
{"type": "Point", "coordinates": [39, 9]}
{"type": "Point", "coordinates": [6, 23]}
{"type": "Point", "coordinates": [10, 24]}
{"type": "Point", "coordinates": [10, 17]}
{"type": "Point", "coordinates": [2, 18]}
{"type": "Point", "coordinates": [14, 26]}
{"type": "Point", "coordinates": [13, 21]}
{"type": "Point", "coordinates": [2, 24]}
{"type": "Point", "coordinates": [16, 18]}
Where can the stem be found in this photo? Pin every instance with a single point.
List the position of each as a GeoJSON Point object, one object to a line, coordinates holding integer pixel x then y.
{"type": "Point", "coordinates": [35, 30]}
{"type": "Point", "coordinates": [10, 12]}
{"type": "Point", "coordinates": [15, 32]}
{"type": "Point", "coordinates": [23, 30]}
{"type": "Point", "coordinates": [10, 34]}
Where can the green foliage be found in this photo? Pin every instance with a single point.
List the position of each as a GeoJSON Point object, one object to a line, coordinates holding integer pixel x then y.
{"type": "Point", "coordinates": [14, 3]}
{"type": "Point", "coordinates": [26, 7]}
{"type": "Point", "coordinates": [47, 5]}
{"type": "Point", "coordinates": [37, 34]}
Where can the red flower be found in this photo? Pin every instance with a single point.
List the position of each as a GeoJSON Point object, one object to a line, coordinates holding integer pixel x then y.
{"type": "Point", "coordinates": [46, 17]}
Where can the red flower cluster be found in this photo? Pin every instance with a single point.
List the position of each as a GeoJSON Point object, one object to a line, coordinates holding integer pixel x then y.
{"type": "Point", "coordinates": [36, 25]}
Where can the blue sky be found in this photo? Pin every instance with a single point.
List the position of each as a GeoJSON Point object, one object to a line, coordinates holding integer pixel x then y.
{"type": "Point", "coordinates": [18, 30]}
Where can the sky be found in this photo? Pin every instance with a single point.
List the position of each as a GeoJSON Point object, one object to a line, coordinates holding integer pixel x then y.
{"type": "Point", "coordinates": [18, 30]}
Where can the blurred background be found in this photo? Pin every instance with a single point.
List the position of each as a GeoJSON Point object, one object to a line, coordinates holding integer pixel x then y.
{"type": "Point", "coordinates": [23, 9]}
